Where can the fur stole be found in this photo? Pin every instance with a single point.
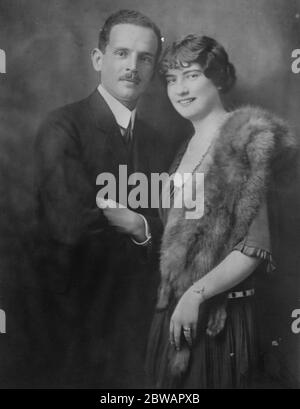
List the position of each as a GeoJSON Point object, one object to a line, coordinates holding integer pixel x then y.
{"type": "Point", "coordinates": [251, 155]}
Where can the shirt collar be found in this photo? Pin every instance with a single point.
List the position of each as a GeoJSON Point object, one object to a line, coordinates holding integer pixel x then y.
{"type": "Point", "coordinates": [120, 112]}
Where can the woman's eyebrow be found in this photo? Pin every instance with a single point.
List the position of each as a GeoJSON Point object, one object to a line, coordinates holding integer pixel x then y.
{"type": "Point", "coordinates": [189, 70]}
{"type": "Point", "coordinates": [185, 71]}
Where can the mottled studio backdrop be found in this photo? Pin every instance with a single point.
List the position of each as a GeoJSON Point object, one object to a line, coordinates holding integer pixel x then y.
{"type": "Point", "coordinates": [48, 44]}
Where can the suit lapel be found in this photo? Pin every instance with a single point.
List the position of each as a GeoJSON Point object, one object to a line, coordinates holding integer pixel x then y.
{"type": "Point", "coordinates": [106, 123]}
{"type": "Point", "coordinates": [114, 150]}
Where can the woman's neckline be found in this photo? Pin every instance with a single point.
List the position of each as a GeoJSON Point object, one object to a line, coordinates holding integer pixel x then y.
{"type": "Point", "coordinates": [209, 126]}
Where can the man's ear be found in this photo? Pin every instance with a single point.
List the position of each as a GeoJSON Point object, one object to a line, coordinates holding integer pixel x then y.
{"type": "Point", "coordinates": [97, 57]}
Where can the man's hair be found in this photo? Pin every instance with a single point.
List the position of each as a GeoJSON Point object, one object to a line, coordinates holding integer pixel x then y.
{"type": "Point", "coordinates": [208, 53]}
{"type": "Point", "coordinates": [128, 17]}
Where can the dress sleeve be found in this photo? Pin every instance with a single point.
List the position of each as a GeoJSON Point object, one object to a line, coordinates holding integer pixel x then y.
{"type": "Point", "coordinates": [257, 242]}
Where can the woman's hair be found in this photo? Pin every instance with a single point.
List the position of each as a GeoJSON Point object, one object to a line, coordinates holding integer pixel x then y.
{"type": "Point", "coordinates": [208, 53]}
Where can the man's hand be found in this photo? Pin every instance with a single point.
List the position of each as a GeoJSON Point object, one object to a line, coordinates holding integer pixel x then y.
{"type": "Point", "coordinates": [123, 219]}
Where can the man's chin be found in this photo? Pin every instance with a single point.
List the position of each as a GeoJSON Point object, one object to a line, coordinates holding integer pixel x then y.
{"type": "Point", "coordinates": [128, 96]}
{"type": "Point", "coordinates": [129, 100]}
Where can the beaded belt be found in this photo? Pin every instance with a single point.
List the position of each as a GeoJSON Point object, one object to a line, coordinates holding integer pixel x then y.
{"type": "Point", "coordinates": [240, 294]}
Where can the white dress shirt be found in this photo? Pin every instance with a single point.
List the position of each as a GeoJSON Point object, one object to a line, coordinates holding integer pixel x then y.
{"type": "Point", "coordinates": [121, 113]}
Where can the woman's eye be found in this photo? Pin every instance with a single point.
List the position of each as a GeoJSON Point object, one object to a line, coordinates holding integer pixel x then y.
{"type": "Point", "coordinates": [170, 80]}
{"type": "Point", "coordinates": [193, 75]}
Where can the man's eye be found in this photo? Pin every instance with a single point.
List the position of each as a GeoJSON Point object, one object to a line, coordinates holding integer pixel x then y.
{"type": "Point", "coordinates": [147, 59]}
{"type": "Point", "coordinates": [121, 53]}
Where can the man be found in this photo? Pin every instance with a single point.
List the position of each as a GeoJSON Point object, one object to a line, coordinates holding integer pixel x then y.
{"type": "Point", "coordinates": [97, 282]}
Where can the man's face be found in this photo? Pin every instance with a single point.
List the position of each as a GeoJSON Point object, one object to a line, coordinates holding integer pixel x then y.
{"type": "Point", "coordinates": [128, 62]}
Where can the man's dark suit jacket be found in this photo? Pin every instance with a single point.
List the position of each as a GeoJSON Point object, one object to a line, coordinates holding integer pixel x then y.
{"type": "Point", "coordinates": [97, 286]}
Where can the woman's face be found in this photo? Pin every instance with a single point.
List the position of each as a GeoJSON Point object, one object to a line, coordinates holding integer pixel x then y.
{"type": "Point", "coordinates": [191, 93]}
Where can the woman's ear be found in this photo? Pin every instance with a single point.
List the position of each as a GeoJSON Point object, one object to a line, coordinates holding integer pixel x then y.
{"type": "Point", "coordinates": [97, 57]}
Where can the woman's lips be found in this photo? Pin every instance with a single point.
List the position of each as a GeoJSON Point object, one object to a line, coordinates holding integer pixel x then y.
{"type": "Point", "coordinates": [186, 101]}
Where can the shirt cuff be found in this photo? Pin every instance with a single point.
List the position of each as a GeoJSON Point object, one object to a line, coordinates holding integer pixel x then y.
{"type": "Point", "coordinates": [147, 234]}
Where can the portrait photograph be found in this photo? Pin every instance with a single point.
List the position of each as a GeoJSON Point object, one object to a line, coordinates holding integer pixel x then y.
{"type": "Point", "coordinates": [150, 195]}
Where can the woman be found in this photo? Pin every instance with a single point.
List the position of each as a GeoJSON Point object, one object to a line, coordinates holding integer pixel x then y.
{"type": "Point", "coordinates": [203, 333]}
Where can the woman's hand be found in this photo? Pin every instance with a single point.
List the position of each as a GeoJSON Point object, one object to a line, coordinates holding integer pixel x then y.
{"type": "Point", "coordinates": [185, 318]}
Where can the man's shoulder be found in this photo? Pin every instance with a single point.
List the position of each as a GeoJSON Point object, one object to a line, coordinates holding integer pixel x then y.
{"type": "Point", "coordinates": [69, 113]}
{"type": "Point", "coordinates": [61, 127]}
{"type": "Point", "coordinates": [67, 123]}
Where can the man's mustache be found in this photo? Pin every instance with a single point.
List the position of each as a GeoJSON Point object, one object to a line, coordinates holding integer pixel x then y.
{"type": "Point", "coordinates": [131, 76]}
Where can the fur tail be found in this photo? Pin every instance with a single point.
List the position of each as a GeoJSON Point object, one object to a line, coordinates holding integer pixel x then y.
{"type": "Point", "coordinates": [179, 361]}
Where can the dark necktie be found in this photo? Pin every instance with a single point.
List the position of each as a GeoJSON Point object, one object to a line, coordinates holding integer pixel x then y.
{"type": "Point", "coordinates": [128, 140]}
{"type": "Point", "coordinates": [128, 134]}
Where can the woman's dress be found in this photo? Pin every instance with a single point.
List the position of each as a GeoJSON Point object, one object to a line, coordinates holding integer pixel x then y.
{"type": "Point", "coordinates": [229, 359]}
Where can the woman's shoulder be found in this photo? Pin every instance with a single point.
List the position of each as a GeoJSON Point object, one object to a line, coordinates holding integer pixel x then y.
{"type": "Point", "coordinates": [252, 128]}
